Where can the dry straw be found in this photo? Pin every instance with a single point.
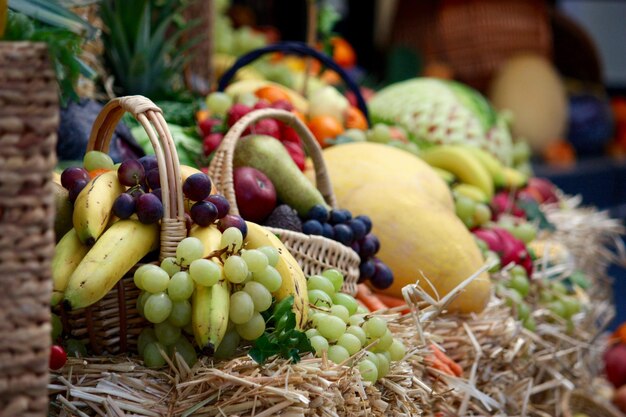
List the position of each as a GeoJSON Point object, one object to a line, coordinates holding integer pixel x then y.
{"type": "Point", "coordinates": [508, 371]}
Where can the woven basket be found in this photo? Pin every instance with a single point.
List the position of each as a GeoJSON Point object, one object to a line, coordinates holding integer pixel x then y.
{"type": "Point", "coordinates": [473, 37]}
{"type": "Point", "coordinates": [579, 401]}
{"type": "Point", "coordinates": [29, 117]}
{"type": "Point", "coordinates": [301, 49]}
{"type": "Point", "coordinates": [113, 324]}
{"type": "Point", "coordinates": [313, 253]}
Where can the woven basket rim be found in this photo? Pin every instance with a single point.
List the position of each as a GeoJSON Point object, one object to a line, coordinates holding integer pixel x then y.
{"type": "Point", "coordinates": [150, 117]}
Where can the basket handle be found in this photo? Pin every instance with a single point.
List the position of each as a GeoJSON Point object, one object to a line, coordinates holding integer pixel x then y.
{"type": "Point", "coordinates": [222, 173]}
{"type": "Point", "coordinates": [173, 228]}
{"type": "Point", "coordinates": [296, 48]}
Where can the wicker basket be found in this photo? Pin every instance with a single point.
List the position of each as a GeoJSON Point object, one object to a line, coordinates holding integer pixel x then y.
{"type": "Point", "coordinates": [313, 253]}
{"type": "Point", "coordinates": [113, 324]}
{"type": "Point", "coordinates": [473, 37]}
{"type": "Point", "coordinates": [579, 401]}
{"type": "Point", "coordinates": [29, 117]}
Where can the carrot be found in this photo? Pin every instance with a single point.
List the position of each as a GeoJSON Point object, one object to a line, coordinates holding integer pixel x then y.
{"type": "Point", "coordinates": [367, 297]}
{"type": "Point", "coordinates": [454, 367]}
{"type": "Point", "coordinates": [391, 301]}
{"type": "Point", "coordinates": [436, 363]}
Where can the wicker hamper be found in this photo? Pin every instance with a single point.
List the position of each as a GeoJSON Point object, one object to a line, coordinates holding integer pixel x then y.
{"type": "Point", "coordinates": [113, 324]}
{"type": "Point", "coordinates": [29, 116]}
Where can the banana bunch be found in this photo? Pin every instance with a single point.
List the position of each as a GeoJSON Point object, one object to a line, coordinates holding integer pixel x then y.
{"type": "Point", "coordinates": [479, 172]}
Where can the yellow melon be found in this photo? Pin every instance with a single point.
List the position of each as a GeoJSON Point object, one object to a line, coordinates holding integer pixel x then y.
{"type": "Point", "coordinates": [418, 235]}
{"type": "Point", "coordinates": [353, 164]}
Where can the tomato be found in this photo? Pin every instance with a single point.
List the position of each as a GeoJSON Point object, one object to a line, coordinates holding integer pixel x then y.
{"type": "Point", "coordinates": [58, 357]}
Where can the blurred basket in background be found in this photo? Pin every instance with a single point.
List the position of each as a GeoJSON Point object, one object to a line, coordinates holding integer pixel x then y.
{"type": "Point", "coordinates": [29, 116]}
{"type": "Point", "coordinates": [473, 37]}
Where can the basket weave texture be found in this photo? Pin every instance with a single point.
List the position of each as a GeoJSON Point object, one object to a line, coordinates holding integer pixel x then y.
{"type": "Point", "coordinates": [474, 37]}
{"type": "Point", "coordinates": [313, 253]}
{"type": "Point", "coordinates": [29, 116]}
{"type": "Point", "coordinates": [579, 401]}
{"type": "Point", "coordinates": [113, 324]}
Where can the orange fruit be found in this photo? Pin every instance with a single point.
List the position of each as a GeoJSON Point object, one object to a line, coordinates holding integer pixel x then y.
{"type": "Point", "coordinates": [325, 127]}
{"type": "Point", "coordinates": [343, 53]}
{"type": "Point", "coordinates": [202, 114]}
{"type": "Point", "coordinates": [271, 94]}
{"type": "Point", "coordinates": [95, 172]}
{"type": "Point", "coordinates": [299, 115]}
{"type": "Point", "coordinates": [560, 152]}
{"type": "Point", "coordinates": [355, 119]}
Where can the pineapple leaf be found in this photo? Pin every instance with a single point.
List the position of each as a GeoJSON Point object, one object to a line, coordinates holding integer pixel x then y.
{"type": "Point", "coordinates": [53, 13]}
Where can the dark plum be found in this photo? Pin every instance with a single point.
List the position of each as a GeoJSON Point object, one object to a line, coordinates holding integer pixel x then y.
{"type": "Point", "coordinates": [149, 162]}
{"type": "Point", "coordinates": [222, 204]}
{"type": "Point", "coordinates": [369, 245]}
{"type": "Point", "coordinates": [153, 179]}
{"type": "Point", "coordinates": [77, 187]}
{"type": "Point", "coordinates": [197, 187]}
{"type": "Point", "coordinates": [131, 173]}
{"type": "Point", "coordinates": [328, 231]}
{"type": "Point", "coordinates": [318, 212]}
{"type": "Point", "coordinates": [231, 220]}
{"type": "Point", "coordinates": [367, 269]}
{"type": "Point", "coordinates": [149, 208]}
{"type": "Point", "coordinates": [203, 213]}
{"type": "Point", "coordinates": [157, 192]}
{"type": "Point", "coordinates": [70, 175]}
{"type": "Point", "coordinates": [124, 206]}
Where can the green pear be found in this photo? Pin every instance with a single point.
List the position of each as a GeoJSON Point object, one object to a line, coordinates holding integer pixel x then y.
{"type": "Point", "coordinates": [63, 211]}
{"type": "Point", "coordinates": [269, 156]}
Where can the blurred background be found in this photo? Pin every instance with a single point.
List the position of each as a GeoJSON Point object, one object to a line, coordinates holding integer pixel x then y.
{"type": "Point", "coordinates": [565, 60]}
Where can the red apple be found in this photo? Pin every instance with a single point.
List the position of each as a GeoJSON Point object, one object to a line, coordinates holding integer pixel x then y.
{"type": "Point", "coordinates": [282, 105]}
{"type": "Point", "coordinates": [297, 154]}
{"type": "Point", "coordinates": [615, 364]}
{"type": "Point", "coordinates": [208, 126]}
{"type": "Point", "coordinates": [288, 134]}
{"type": "Point", "coordinates": [211, 142]}
{"type": "Point", "coordinates": [255, 194]}
{"type": "Point", "coordinates": [265, 127]}
{"type": "Point", "coordinates": [545, 188]}
{"type": "Point", "coordinates": [503, 202]}
{"type": "Point", "coordinates": [261, 104]}
{"type": "Point", "coordinates": [236, 112]}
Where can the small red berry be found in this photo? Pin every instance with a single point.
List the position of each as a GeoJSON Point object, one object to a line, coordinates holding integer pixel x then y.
{"type": "Point", "coordinates": [58, 357]}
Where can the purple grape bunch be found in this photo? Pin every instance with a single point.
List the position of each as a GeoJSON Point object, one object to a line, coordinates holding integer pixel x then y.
{"type": "Point", "coordinates": [143, 197]}
{"type": "Point", "coordinates": [209, 208]}
{"type": "Point", "coordinates": [356, 233]}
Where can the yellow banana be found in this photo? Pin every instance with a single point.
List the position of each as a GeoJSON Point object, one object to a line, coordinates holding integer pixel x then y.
{"type": "Point", "coordinates": [472, 192]}
{"type": "Point", "coordinates": [209, 314]}
{"type": "Point", "coordinates": [514, 178]}
{"type": "Point", "coordinates": [491, 163]}
{"type": "Point", "coordinates": [92, 208]}
{"type": "Point", "coordinates": [67, 255]}
{"type": "Point", "coordinates": [210, 236]}
{"type": "Point", "coordinates": [447, 176]}
{"type": "Point", "coordinates": [112, 256]}
{"type": "Point", "coordinates": [464, 165]}
{"type": "Point", "coordinates": [294, 281]}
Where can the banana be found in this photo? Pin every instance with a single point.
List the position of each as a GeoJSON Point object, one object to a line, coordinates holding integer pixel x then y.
{"type": "Point", "coordinates": [471, 192]}
{"type": "Point", "coordinates": [92, 208]}
{"type": "Point", "coordinates": [209, 314]}
{"type": "Point", "coordinates": [464, 165]}
{"type": "Point", "coordinates": [514, 178]}
{"type": "Point", "coordinates": [117, 250]}
{"type": "Point", "coordinates": [210, 237]}
{"type": "Point", "coordinates": [493, 165]}
{"type": "Point", "coordinates": [447, 176]}
{"type": "Point", "coordinates": [67, 255]}
{"type": "Point", "coordinates": [294, 281]}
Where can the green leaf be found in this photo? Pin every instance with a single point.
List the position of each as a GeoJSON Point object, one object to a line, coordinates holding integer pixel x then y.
{"type": "Point", "coordinates": [54, 14]}
{"type": "Point", "coordinates": [534, 213]}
